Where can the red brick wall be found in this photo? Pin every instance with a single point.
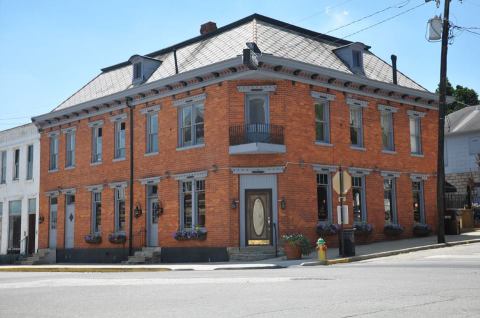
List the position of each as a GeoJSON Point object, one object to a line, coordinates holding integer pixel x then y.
{"type": "Point", "coordinates": [290, 106]}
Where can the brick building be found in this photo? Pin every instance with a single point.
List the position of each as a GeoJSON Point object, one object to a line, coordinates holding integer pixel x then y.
{"type": "Point", "coordinates": [230, 153]}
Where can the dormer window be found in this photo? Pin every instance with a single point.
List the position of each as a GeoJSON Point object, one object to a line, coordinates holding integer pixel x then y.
{"type": "Point", "coordinates": [352, 56]}
{"type": "Point", "coordinates": [137, 70]}
{"type": "Point", "coordinates": [357, 58]}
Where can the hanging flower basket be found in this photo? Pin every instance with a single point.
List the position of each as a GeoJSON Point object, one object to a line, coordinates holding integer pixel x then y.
{"type": "Point", "coordinates": [421, 230]}
{"type": "Point", "coordinates": [93, 238]}
{"type": "Point", "coordinates": [327, 229]}
{"type": "Point", "coordinates": [117, 238]}
{"type": "Point", "coordinates": [185, 235]}
{"type": "Point", "coordinates": [393, 229]}
{"type": "Point", "coordinates": [363, 229]}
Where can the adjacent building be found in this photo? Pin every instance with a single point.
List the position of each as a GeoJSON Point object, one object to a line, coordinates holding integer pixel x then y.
{"type": "Point", "coordinates": [229, 140]}
{"type": "Point", "coordinates": [462, 150]}
{"type": "Point", "coordinates": [19, 188]}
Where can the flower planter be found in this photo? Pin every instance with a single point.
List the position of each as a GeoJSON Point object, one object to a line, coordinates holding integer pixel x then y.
{"type": "Point", "coordinates": [117, 238]}
{"type": "Point", "coordinates": [199, 235]}
{"type": "Point", "coordinates": [93, 239]}
{"type": "Point", "coordinates": [292, 251]}
{"type": "Point", "coordinates": [393, 230]}
{"type": "Point", "coordinates": [363, 229]}
{"type": "Point", "coordinates": [327, 229]}
{"type": "Point", "coordinates": [421, 230]}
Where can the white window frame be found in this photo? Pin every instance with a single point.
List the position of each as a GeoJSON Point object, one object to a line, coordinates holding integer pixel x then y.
{"type": "Point", "coordinates": [151, 136]}
{"type": "Point", "coordinates": [387, 115]}
{"type": "Point", "coordinates": [30, 157]}
{"type": "Point", "coordinates": [195, 210]}
{"type": "Point", "coordinates": [329, 195]}
{"type": "Point", "coordinates": [16, 165]}
{"type": "Point", "coordinates": [96, 228]}
{"type": "Point", "coordinates": [394, 199]}
{"type": "Point", "coordinates": [422, 200]}
{"type": "Point", "coordinates": [120, 144]}
{"type": "Point", "coordinates": [97, 152]}
{"type": "Point", "coordinates": [194, 139]}
{"type": "Point", "coordinates": [119, 197]}
{"type": "Point", "coordinates": [359, 111]}
{"type": "Point", "coordinates": [325, 121]}
{"type": "Point", "coordinates": [3, 167]}
{"type": "Point", "coordinates": [70, 139]}
{"type": "Point", "coordinates": [53, 161]}
{"type": "Point", "coordinates": [363, 203]}
{"type": "Point", "coordinates": [137, 71]}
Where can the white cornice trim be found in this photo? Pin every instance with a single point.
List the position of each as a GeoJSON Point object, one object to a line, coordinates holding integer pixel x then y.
{"type": "Point", "coordinates": [322, 96]}
{"type": "Point", "coordinates": [119, 117]}
{"type": "Point", "coordinates": [150, 180]}
{"type": "Point", "coordinates": [54, 193]}
{"type": "Point", "coordinates": [390, 174]}
{"type": "Point", "coordinates": [95, 188]}
{"type": "Point", "coordinates": [258, 170]}
{"type": "Point", "coordinates": [96, 123]}
{"type": "Point", "coordinates": [356, 102]}
{"type": "Point", "coordinates": [324, 168]}
{"type": "Point", "coordinates": [68, 191]}
{"type": "Point", "coordinates": [419, 176]}
{"type": "Point", "coordinates": [257, 88]}
{"type": "Point", "coordinates": [191, 175]}
{"type": "Point", "coordinates": [55, 133]}
{"type": "Point", "coordinates": [149, 110]}
{"type": "Point", "coordinates": [189, 100]}
{"type": "Point", "coordinates": [69, 129]}
{"type": "Point", "coordinates": [413, 113]}
{"type": "Point", "coordinates": [118, 185]}
{"type": "Point", "coordinates": [359, 171]}
{"type": "Point", "coordinates": [387, 108]}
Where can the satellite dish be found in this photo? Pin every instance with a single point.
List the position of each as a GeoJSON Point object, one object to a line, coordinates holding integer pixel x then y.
{"type": "Point", "coordinates": [435, 28]}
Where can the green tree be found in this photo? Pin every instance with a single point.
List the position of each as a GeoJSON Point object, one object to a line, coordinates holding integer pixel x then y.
{"type": "Point", "coordinates": [464, 97]}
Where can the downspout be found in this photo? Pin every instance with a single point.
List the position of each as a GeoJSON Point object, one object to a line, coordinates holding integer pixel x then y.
{"type": "Point", "coordinates": [130, 229]}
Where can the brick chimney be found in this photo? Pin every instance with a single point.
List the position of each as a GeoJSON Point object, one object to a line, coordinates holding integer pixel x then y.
{"type": "Point", "coordinates": [208, 27]}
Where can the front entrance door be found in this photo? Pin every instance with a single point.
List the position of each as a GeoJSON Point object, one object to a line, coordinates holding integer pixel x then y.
{"type": "Point", "coordinates": [52, 235]}
{"type": "Point", "coordinates": [258, 216]}
{"type": "Point", "coordinates": [31, 233]}
{"type": "Point", "coordinates": [152, 216]}
{"type": "Point", "coordinates": [69, 221]}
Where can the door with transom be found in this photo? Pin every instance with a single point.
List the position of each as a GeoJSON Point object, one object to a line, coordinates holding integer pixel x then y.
{"type": "Point", "coordinates": [69, 221]}
{"type": "Point", "coordinates": [258, 214]}
{"type": "Point", "coordinates": [152, 215]}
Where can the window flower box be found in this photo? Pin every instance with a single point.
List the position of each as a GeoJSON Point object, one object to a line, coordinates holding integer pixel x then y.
{"type": "Point", "coordinates": [185, 235]}
{"type": "Point", "coordinates": [421, 229]}
{"type": "Point", "coordinates": [393, 229]}
{"type": "Point", "coordinates": [117, 238]}
{"type": "Point", "coordinates": [93, 238]}
{"type": "Point", "coordinates": [327, 229]}
{"type": "Point", "coordinates": [363, 229]}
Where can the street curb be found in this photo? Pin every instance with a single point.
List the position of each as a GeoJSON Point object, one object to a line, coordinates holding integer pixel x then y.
{"type": "Point", "coordinates": [82, 269]}
{"type": "Point", "coordinates": [388, 253]}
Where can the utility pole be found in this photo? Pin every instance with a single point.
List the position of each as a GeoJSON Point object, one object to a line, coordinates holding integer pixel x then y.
{"type": "Point", "coordinates": [441, 124]}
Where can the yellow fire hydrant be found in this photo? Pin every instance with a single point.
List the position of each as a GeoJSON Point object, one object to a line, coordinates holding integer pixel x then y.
{"type": "Point", "coordinates": [322, 250]}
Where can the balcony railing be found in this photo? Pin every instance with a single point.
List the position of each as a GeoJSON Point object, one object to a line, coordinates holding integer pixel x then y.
{"type": "Point", "coordinates": [256, 133]}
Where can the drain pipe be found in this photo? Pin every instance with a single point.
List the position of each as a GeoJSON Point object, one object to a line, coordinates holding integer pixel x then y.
{"type": "Point", "coordinates": [394, 68]}
{"type": "Point", "coordinates": [130, 228]}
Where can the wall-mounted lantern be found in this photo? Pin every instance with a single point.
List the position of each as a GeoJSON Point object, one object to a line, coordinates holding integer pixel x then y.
{"type": "Point", "coordinates": [234, 204]}
{"type": "Point", "coordinates": [41, 219]}
{"type": "Point", "coordinates": [138, 210]}
{"type": "Point", "coordinates": [283, 203]}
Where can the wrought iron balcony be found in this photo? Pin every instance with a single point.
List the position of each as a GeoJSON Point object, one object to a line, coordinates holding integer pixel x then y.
{"type": "Point", "coordinates": [256, 139]}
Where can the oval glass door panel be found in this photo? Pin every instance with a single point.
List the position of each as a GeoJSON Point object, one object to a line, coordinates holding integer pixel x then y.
{"type": "Point", "coordinates": [258, 217]}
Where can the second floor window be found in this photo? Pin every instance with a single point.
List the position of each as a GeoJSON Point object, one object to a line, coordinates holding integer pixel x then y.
{"type": "Point", "coordinates": [356, 129]}
{"type": "Point", "coordinates": [96, 212]}
{"type": "Point", "coordinates": [191, 125]}
{"type": "Point", "coordinates": [119, 140]}
{"type": "Point", "coordinates": [386, 122]}
{"type": "Point", "coordinates": [30, 162]}
{"type": "Point", "coordinates": [119, 209]}
{"type": "Point", "coordinates": [322, 130]}
{"type": "Point", "coordinates": [70, 149]}
{"type": "Point", "coordinates": [152, 132]}
{"type": "Point", "coordinates": [415, 135]}
{"type": "Point", "coordinates": [54, 152]}
{"type": "Point", "coordinates": [16, 164]}
{"type": "Point", "coordinates": [3, 171]}
{"type": "Point", "coordinates": [96, 144]}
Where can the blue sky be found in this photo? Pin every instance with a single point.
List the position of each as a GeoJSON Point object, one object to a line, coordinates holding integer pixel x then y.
{"type": "Point", "coordinates": [50, 49]}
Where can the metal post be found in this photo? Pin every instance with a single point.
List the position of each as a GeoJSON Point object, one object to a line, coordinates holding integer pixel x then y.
{"type": "Point", "coordinates": [130, 229]}
{"type": "Point", "coordinates": [441, 123]}
{"type": "Point", "coordinates": [342, 245]}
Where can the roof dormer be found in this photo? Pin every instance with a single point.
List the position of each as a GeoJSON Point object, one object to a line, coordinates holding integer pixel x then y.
{"type": "Point", "coordinates": [352, 55]}
{"type": "Point", "coordinates": [143, 68]}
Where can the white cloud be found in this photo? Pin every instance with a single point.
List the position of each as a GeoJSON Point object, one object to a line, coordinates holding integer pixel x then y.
{"type": "Point", "coordinates": [337, 17]}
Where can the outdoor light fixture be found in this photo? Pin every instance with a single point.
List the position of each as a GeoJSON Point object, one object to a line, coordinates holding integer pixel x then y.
{"type": "Point", "coordinates": [41, 219]}
{"type": "Point", "coordinates": [138, 210]}
{"type": "Point", "coordinates": [234, 204]}
{"type": "Point", "coordinates": [283, 203]}
{"type": "Point", "coordinates": [158, 209]}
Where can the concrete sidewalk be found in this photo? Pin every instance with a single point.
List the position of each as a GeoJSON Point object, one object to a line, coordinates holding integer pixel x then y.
{"type": "Point", "coordinates": [363, 252]}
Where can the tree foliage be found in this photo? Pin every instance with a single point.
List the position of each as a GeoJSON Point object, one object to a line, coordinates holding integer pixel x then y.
{"type": "Point", "coordinates": [464, 97]}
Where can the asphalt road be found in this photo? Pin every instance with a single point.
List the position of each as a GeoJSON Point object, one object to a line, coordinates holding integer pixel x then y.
{"type": "Point", "coordinates": [435, 283]}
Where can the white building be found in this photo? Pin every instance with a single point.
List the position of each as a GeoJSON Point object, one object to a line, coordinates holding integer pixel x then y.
{"type": "Point", "coordinates": [462, 148]}
{"type": "Point", "coordinates": [19, 187]}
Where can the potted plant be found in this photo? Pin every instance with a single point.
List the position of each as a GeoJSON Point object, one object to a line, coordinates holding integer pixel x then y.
{"type": "Point", "coordinates": [327, 229]}
{"type": "Point", "coordinates": [393, 229]}
{"type": "Point", "coordinates": [421, 229]}
{"type": "Point", "coordinates": [117, 238]}
{"type": "Point", "coordinates": [295, 245]}
{"type": "Point", "coordinates": [95, 238]}
{"type": "Point", "coordinates": [363, 229]}
{"type": "Point", "coordinates": [195, 234]}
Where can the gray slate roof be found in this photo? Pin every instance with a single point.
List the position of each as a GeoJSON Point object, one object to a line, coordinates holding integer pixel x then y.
{"type": "Point", "coordinates": [272, 37]}
{"type": "Point", "coordinates": [464, 120]}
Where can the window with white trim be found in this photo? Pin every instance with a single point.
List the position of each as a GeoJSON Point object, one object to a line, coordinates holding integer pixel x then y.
{"type": "Point", "coordinates": [192, 203]}
{"type": "Point", "coordinates": [137, 70]}
{"type": "Point", "coordinates": [322, 121]}
{"type": "Point", "coordinates": [324, 209]}
{"type": "Point", "coordinates": [418, 202]}
{"type": "Point", "coordinates": [386, 122]}
{"type": "Point", "coordinates": [356, 126]}
{"type": "Point", "coordinates": [3, 171]}
{"type": "Point", "coordinates": [119, 209]}
{"type": "Point", "coordinates": [16, 164]}
{"type": "Point", "coordinates": [70, 149]}
{"type": "Point", "coordinates": [390, 200]}
{"type": "Point", "coordinates": [53, 152]}
{"type": "Point", "coordinates": [152, 132]}
{"type": "Point", "coordinates": [96, 212]}
{"type": "Point", "coordinates": [97, 133]}
{"type": "Point", "coordinates": [191, 130]}
{"type": "Point", "coordinates": [32, 206]}
{"type": "Point", "coordinates": [119, 151]}
{"type": "Point", "coordinates": [358, 193]}
{"type": "Point", "coordinates": [415, 135]}
{"type": "Point", "coordinates": [30, 162]}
